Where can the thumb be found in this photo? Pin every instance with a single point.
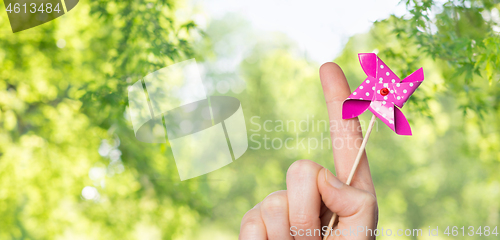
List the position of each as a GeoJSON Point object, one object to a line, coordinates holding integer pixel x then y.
{"type": "Point", "coordinates": [354, 207]}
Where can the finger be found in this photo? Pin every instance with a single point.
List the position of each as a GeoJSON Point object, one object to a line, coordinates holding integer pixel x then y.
{"type": "Point", "coordinates": [346, 134]}
{"type": "Point", "coordinates": [356, 208]}
{"type": "Point", "coordinates": [304, 201]}
{"type": "Point", "coordinates": [252, 226]}
{"type": "Point", "coordinates": [274, 212]}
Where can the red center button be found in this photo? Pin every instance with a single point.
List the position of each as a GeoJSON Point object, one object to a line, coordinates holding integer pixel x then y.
{"type": "Point", "coordinates": [384, 91]}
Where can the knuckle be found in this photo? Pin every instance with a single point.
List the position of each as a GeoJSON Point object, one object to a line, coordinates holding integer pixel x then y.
{"type": "Point", "coordinates": [250, 230]}
{"type": "Point", "coordinates": [303, 221]}
{"type": "Point", "coordinates": [369, 203]}
{"type": "Point", "coordinates": [370, 200]}
{"type": "Point", "coordinates": [252, 225]}
{"type": "Point", "coordinates": [301, 167]}
{"type": "Point", "coordinates": [249, 214]}
{"type": "Point", "coordinates": [360, 204]}
{"type": "Point", "coordinates": [251, 222]}
{"type": "Point", "coordinates": [274, 204]}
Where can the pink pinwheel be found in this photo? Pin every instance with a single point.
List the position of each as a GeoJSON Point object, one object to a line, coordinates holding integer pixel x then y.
{"type": "Point", "coordinates": [383, 93]}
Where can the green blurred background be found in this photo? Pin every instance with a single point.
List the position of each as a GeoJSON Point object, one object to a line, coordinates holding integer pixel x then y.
{"type": "Point", "coordinates": [71, 168]}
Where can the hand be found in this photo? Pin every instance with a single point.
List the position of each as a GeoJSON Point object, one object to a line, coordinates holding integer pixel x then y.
{"type": "Point", "coordinates": [314, 193]}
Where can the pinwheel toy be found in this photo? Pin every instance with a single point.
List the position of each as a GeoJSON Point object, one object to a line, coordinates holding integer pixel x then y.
{"type": "Point", "coordinates": [383, 93]}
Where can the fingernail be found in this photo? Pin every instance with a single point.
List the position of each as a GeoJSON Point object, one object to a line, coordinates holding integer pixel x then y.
{"type": "Point", "coordinates": [332, 180]}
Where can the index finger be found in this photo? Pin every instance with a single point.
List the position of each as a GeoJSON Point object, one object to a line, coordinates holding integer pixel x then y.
{"type": "Point", "coordinates": [346, 134]}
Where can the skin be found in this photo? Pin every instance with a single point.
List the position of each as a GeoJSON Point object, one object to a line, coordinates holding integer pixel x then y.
{"type": "Point", "coordinates": [313, 192]}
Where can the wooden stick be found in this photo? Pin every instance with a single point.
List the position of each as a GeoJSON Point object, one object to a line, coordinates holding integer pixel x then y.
{"type": "Point", "coordinates": [353, 170]}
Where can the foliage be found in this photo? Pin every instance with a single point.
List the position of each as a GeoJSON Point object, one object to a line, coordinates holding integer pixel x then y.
{"type": "Point", "coordinates": [62, 98]}
{"type": "Point", "coordinates": [464, 36]}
